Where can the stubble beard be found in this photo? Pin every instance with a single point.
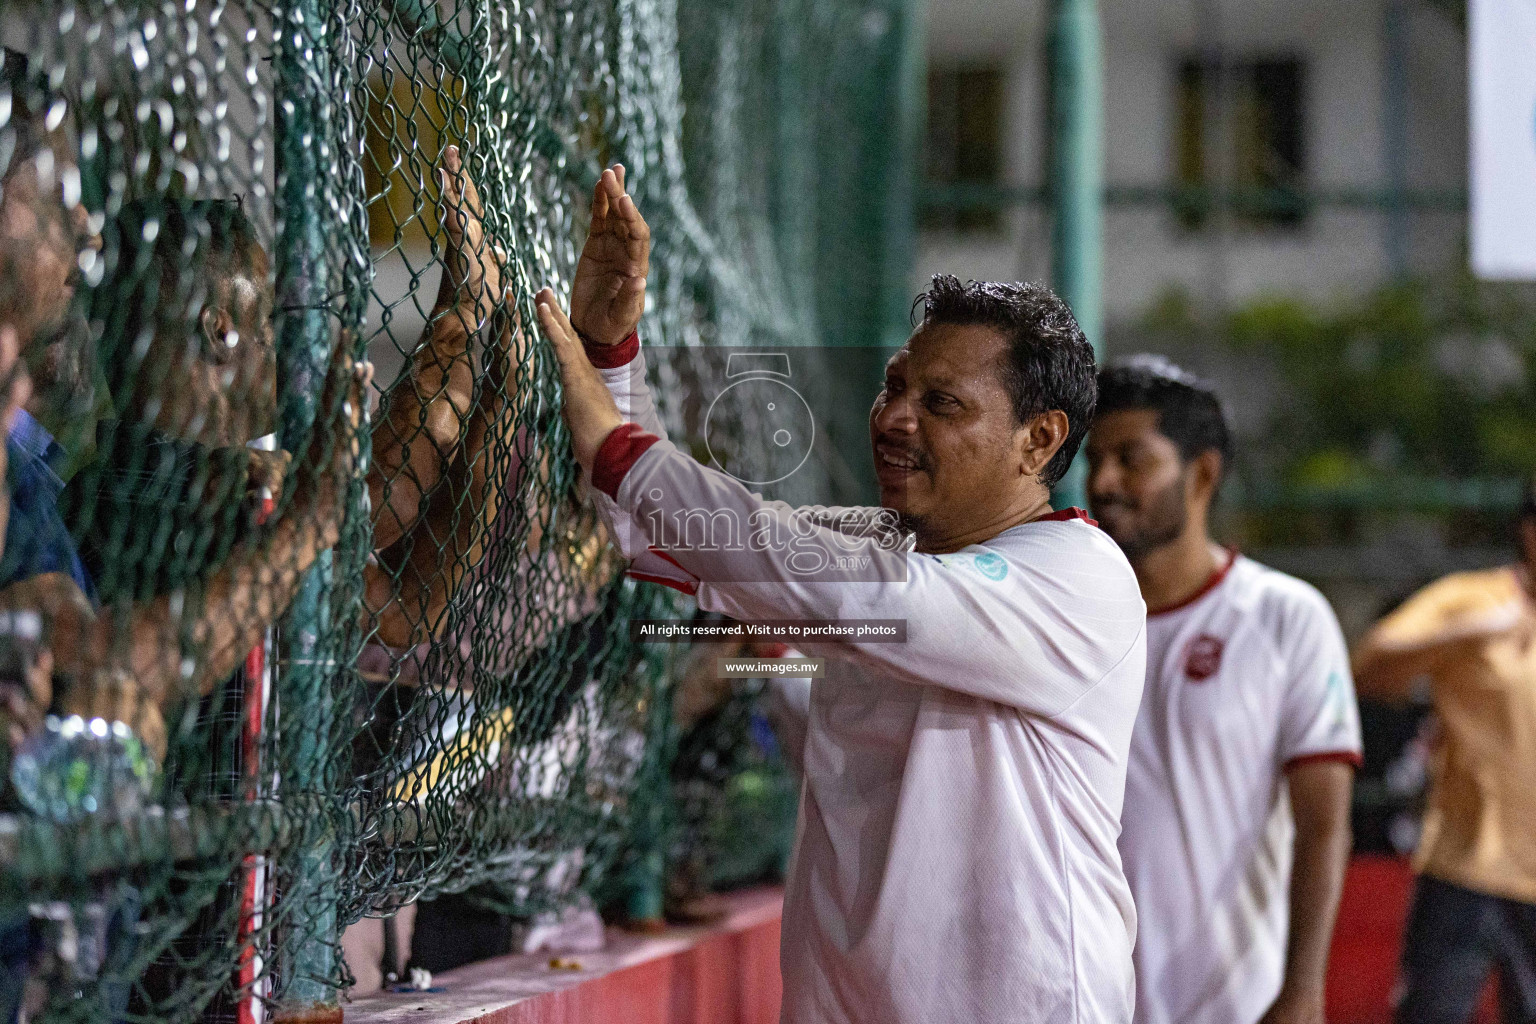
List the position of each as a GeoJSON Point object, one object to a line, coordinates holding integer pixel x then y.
{"type": "Point", "coordinates": [1166, 519]}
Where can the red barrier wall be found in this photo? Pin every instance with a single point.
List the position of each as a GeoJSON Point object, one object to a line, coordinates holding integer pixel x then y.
{"type": "Point", "coordinates": [1362, 967]}
{"type": "Point", "coordinates": [728, 973]}
{"type": "Point", "coordinates": [725, 973]}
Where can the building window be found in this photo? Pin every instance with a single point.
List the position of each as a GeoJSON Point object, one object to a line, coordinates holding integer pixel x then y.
{"type": "Point", "coordinates": [1259, 113]}
{"type": "Point", "coordinates": [964, 156]}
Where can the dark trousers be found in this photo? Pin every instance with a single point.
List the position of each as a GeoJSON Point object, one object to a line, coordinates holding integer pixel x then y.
{"type": "Point", "coordinates": [1455, 938]}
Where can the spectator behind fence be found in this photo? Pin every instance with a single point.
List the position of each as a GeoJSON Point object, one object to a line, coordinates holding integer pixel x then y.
{"type": "Point", "coordinates": [1472, 637]}
{"type": "Point", "coordinates": [45, 235]}
{"type": "Point", "coordinates": [141, 646]}
{"type": "Point", "coordinates": [444, 448]}
{"type": "Point", "coordinates": [186, 329]}
{"type": "Point", "coordinates": [188, 341]}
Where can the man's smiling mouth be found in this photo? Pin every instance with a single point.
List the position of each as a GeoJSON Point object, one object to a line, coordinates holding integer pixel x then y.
{"type": "Point", "coordinates": [896, 458]}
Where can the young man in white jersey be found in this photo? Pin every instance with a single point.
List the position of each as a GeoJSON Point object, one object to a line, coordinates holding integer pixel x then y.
{"type": "Point", "coordinates": [955, 858]}
{"type": "Point", "coordinates": [1236, 825]}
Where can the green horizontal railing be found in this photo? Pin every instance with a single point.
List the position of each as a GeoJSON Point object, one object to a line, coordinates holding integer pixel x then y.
{"type": "Point", "coordinates": [1412, 494]}
{"type": "Point", "coordinates": [934, 197]}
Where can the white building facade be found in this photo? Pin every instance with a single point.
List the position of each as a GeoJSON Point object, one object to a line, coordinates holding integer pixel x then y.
{"type": "Point", "coordinates": [1348, 106]}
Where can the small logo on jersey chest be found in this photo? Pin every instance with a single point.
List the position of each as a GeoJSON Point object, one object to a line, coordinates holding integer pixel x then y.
{"type": "Point", "coordinates": [1202, 658]}
{"type": "Point", "coordinates": [993, 567]}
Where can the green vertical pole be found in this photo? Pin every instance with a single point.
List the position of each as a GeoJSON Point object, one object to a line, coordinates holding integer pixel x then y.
{"type": "Point", "coordinates": [1394, 133]}
{"type": "Point", "coordinates": [906, 80]}
{"type": "Point", "coordinates": [1077, 180]}
{"type": "Point", "coordinates": [308, 887]}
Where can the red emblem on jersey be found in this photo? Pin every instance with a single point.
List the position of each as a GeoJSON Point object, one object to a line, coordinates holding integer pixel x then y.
{"type": "Point", "coordinates": [1202, 658]}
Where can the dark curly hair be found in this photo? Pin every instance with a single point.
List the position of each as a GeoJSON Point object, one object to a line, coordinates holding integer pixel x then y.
{"type": "Point", "coordinates": [1049, 363]}
{"type": "Point", "coordinates": [1188, 411]}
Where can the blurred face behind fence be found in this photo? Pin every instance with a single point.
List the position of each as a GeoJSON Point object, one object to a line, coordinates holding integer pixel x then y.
{"type": "Point", "coordinates": [46, 242]}
{"type": "Point", "coordinates": [234, 370]}
{"type": "Point", "coordinates": [982, 409]}
{"type": "Point", "coordinates": [202, 307]}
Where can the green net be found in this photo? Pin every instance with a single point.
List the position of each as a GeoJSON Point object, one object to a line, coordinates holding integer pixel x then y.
{"type": "Point", "coordinates": [365, 636]}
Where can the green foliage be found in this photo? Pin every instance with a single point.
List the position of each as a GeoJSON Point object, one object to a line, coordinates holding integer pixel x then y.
{"type": "Point", "coordinates": [1423, 379]}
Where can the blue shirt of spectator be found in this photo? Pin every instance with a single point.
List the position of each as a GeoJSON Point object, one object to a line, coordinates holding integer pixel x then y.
{"type": "Point", "coordinates": [37, 540]}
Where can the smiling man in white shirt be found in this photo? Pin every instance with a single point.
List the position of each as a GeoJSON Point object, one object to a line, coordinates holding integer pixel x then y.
{"type": "Point", "coordinates": [1236, 824]}
{"type": "Point", "coordinates": [955, 858]}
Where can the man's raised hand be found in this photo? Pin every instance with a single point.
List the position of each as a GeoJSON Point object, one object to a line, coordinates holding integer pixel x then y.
{"type": "Point", "coordinates": [589, 409]}
{"type": "Point", "coordinates": [608, 292]}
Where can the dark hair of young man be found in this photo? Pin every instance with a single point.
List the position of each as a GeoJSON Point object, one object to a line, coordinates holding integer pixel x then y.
{"type": "Point", "coordinates": [1188, 412]}
{"type": "Point", "coordinates": [1049, 365]}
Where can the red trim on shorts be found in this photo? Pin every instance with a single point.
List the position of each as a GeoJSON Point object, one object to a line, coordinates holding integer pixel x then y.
{"type": "Point", "coordinates": [773, 650]}
{"type": "Point", "coordinates": [611, 357]}
{"type": "Point", "coordinates": [1067, 515]}
{"type": "Point", "coordinates": [690, 588]}
{"type": "Point", "coordinates": [1347, 756]}
{"type": "Point", "coordinates": [1205, 588]}
{"type": "Point", "coordinates": [617, 455]}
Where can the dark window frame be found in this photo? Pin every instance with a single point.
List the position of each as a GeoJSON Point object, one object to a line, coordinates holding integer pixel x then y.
{"type": "Point", "coordinates": [963, 143]}
{"type": "Point", "coordinates": [1265, 97]}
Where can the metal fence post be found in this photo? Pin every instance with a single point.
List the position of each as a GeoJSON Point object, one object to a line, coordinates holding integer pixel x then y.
{"type": "Point", "coordinates": [1077, 179]}
{"type": "Point", "coordinates": [308, 887]}
{"type": "Point", "coordinates": [1394, 133]}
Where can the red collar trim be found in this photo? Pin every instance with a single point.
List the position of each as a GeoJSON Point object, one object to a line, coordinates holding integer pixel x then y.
{"type": "Point", "coordinates": [1205, 588]}
{"type": "Point", "coordinates": [1067, 515]}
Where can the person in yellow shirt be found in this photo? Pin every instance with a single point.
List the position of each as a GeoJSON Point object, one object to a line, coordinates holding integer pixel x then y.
{"type": "Point", "coordinates": [1472, 635]}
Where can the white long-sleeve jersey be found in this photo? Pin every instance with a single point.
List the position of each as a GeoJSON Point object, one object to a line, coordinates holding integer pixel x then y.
{"type": "Point", "coordinates": [956, 853]}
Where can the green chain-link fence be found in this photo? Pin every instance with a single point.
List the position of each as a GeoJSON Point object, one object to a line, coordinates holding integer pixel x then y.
{"type": "Point", "coordinates": [367, 636]}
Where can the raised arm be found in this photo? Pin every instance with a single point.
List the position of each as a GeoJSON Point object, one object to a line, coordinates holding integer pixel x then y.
{"type": "Point", "coordinates": [250, 590]}
{"type": "Point", "coordinates": [1446, 620]}
{"type": "Point", "coordinates": [778, 562]}
{"type": "Point", "coordinates": [411, 583]}
{"type": "Point", "coordinates": [425, 415]}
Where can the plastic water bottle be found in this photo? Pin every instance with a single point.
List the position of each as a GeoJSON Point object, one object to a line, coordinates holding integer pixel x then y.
{"type": "Point", "coordinates": [77, 766]}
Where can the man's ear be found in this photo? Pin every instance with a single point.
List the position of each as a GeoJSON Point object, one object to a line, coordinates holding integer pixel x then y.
{"type": "Point", "coordinates": [216, 326]}
{"type": "Point", "coordinates": [1042, 438]}
{"type": "Point", "coordinates": [1205, 475]}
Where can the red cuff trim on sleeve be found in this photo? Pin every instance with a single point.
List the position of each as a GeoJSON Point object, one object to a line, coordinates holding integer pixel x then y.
{"type": "Point", "coordinates": [1347, 756]}
{"type": "Point", "coordinates": [611, 357]}
{"type": "Point", "coordinates": [620, 450]}
{"type": "Point", "coordinates": [690, 587]}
